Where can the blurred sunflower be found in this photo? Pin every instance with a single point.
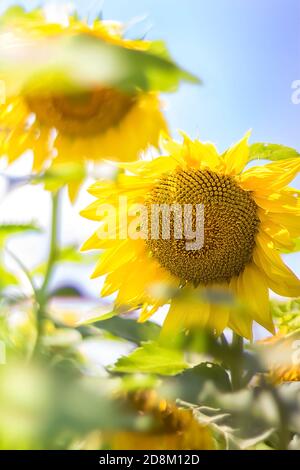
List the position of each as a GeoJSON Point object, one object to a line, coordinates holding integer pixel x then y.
{"type": "Point", "coordinates": [176, 428]}
{"type": "Point", "coordinates": [76, 125]}
{"type": "Point", "coordinates": [248, 218]}
{"type": "Point", "coordinates": [282, 357]}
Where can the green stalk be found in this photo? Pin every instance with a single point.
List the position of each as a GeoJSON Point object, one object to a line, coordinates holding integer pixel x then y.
{"type": "Point", "coordinates": [237, 362]}
{"type": "Point", "coordinates": [43, 294]}
{"type": "Point", "coordinates": [52, 246]}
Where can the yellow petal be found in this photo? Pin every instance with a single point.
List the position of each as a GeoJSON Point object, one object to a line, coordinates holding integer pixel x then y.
{"type": "Point", "coordinates": [218, 318]}
{"type": "Point", "coordinates": [138, 277]}
{"type": "Point", "coordinates": [147, 311]}
{"type": "Point", "coordinates": [241, 324]}
{"type": "Point", "coordinates": [236, 158]}
{"type": "Point", "coordinates": [291, 223]}
{"type": "Point", "coordinates": [185, 313]}
{"type": "Point", "coordinates": [121, 253]}
{"type": "Point", "coordinates": [270, 178]}
{"type": "Point", "coordinates": [277, 233]}
{"type": "Point", "coordinates": [253, 290]}
{"type": "Point", "coordinates": [153, 168]}
{"type": "Point", "coordinates": [199, 154]}
{"type": "Point", "coordinates": [280, 278]}
{"type": "Point", "coordinates": [278, 202]}
{"type": "Point", "coordinates": [97, 243]}
{"type": "Point", "coordinates": [239, 320]}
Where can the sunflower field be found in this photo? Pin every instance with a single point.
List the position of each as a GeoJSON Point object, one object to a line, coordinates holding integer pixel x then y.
{"type": "Point", "coordinates": [149, 281]}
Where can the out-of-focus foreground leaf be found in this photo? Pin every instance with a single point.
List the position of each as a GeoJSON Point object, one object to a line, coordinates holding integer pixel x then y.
{"type": "Point", "coordinates": [41, 409]}
{"type": "Point", "coordinates": [80, 61]}
{"type": "Point", "coordinates": [239, 420]}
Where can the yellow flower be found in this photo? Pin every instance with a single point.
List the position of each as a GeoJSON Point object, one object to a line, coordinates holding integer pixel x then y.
{"type": "Point", "coordinates": [100, 122]}
{"type": "Point", "coordinates": [176, 428]}
{"type": "Point", "coordinates": [282, 357]}
{"type": "Point", "coordinates": [249, 216]}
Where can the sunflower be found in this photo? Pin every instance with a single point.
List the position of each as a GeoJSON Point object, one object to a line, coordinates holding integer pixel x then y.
{"type": "Point", "coordinates": [250, 216]}
{"type": "Point", "coordinates": [90, 124]}
{"type": "Point", "coordinates": [176, 428]}
{"type": "Point", "coordinates": [281, 356]}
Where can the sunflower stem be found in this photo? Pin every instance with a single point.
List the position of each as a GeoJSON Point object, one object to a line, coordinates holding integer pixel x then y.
{"type": "Point", "coordinates": [236, 368]}
{"type": "Point", "coordinates": [42, 293]}
{"type": "Point", "coordinates": [53, 244]}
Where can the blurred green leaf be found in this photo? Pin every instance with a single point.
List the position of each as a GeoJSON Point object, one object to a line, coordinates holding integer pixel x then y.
{"type": "Point", "coordinates": [9, 229]}
{"type": "Point", "coordinates": [295, 443]}
{"type": "Point", "coordinates": [75, 62]}
{"type": "Point", "coordinates": [61, 174]}
{"type": "Point", "coordinates": [289, 393]}
{"type": "Point", "coordinates": [274, 152]}
{"type": "Point", "coordinates": [67, 254]}
{"type": "Point", "coordinates": [137, 382]}
{"type": "Point", "coordinates": [12, 13]}
{"type": "Point", "coordinates": [70, 254]}
{"type": "Point", "coordinates": [286, 314]}
{"type": "Point", "coordinates": [45, 408]}
{"type": "Point", "coordinates": [98, 318]}
{"type": "Point", "coordinates": [128, 329]}
{"type": "Point", "coordinates": [66, 291]}
{"type": "Point", "coordinates": [151, 358]}
{"type": "Point", "coordinates": [239, 420]}
{"type": "Point", "coordinates": [191, 382]}
{"type": "Point", "coordinates": [6, 278]}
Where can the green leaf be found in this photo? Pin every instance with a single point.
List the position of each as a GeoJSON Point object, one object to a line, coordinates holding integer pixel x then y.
{"type": "Point", "coordinates": [289, 393]}
{"type": "Point", "coordinates": [66, 291]}
{"type": "Point", "coordinates": [98, 318]}
{"type": "Point", "coordinates": [127, 329]}
{"type": "Point", "coordinates": [9, 229]}
{"type": "Point", "coordinates": [61, 174]}
{"type": "Point", "coordinates": [6, 278]}
{"type": "Point", "coordinates": [286, 314]}
{"type": "Point", "coordinates": [238, 420]}
{"type": "Point", "coordinates": [71, 254]}
{"type": "Point", "coordinates": [59, 407]}
{"type": "Point", "coordinates": [77, 62]}
{"type": "Point", "coordinates": [274, 152]}
{"type": "Point", "coordinates": [11, 14]}
{"type": "Point", "coordinates": [67, 254]}
{"type": "Point", "coordinates": [137, 382]}
{"type": "Point", "coordinates": [190, 383]}
{"type": "Point", "coordinates": [159, 49]}
{"type": "Point", "coordinates": [151, 358]}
